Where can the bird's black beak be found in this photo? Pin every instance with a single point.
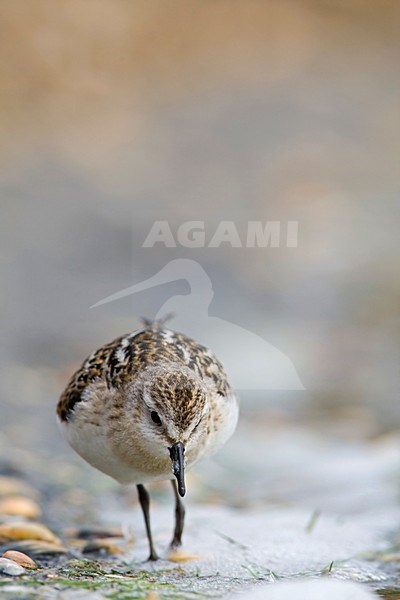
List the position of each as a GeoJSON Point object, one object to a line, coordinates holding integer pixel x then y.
{"type": "Point", "coordinates": [176, 453]}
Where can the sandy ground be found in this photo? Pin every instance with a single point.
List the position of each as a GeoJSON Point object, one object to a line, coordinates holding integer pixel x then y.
{"type": "Point", "coordinates": [293, 504]}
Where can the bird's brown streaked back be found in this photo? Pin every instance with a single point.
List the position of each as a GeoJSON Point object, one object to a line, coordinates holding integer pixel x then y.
{"type": "Point", "coordinates": [120, 360]}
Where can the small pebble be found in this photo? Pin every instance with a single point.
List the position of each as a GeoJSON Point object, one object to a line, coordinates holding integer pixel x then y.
{"type": "Point", "coordinates": [12, 486]}
{"type": "Point", "coordinates": [22, 559]}
{"type": "Point", "coordinates": [36, 548]}
{"type": "Point", "coordinates": [152, 595]}
{"type": "Point", "coordinates": [390, 557]}
{"type": "Point", "coordinates": [107, 545]}
{"type": "Point", "coordinates": [9, 567]}
{"type": "Point", "coordinates": [95, 533]}
{"type": "Point", "coordinates": [178, 556]}
{"type": "Point", "coordinates": [27, 531]}
{"type": "Point", "coordinates": [19, 506]}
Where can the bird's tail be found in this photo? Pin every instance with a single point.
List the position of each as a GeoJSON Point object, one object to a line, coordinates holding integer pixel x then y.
{"type": "Point", "coordinates": [157, 322]}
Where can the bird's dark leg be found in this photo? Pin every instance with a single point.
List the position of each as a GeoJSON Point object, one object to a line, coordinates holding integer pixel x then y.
{"type": "Point", "coordinates": [179, 518]}
{"type": "Point", "coordinates": [144, 500]}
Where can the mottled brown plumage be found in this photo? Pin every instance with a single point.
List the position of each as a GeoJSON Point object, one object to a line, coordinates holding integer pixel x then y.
{"type": "Point", "coordinates": [147, 406]}
{"type": "Point", "coordinates": [119, 361]}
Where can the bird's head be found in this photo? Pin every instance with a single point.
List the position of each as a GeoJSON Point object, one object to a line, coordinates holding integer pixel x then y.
{"type": "Point", "coordinates": [173, 415]}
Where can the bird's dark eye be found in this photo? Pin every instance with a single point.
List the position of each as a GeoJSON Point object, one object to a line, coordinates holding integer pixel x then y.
{"type": "Point", "coordinates": [155, 418]}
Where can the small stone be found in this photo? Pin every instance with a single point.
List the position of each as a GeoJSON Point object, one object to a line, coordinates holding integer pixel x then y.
{"type": "Point", "coordinates": [178, 556]}
{"type": "Point", "coordinates": [9, 567]}
{"type": "Point", "coordinates": [390, 557]}
{"type": "Point", "coordinates": [36, 548]}
{"type": "Point", "coordinates": [12, 486]}
{"type": "Point", "coordinates": [107, 545]}
{"type": "Point", "coordinates": [94, 533]}
{"type": "Point", "coordinates": [27, 531]}
{"type": "Point", "coordinates": [152, 595]}
{"type": "Point", "coordinates": [22, 559]}
{"type": "Point", "coordinates": [19, 506]}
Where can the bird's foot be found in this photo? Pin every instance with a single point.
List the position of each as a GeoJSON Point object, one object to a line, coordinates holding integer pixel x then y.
{"type": "Point", "coordinates": [175, 544]}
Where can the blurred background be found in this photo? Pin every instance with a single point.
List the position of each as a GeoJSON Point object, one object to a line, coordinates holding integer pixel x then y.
{"type": "Point", "coordinates": [117, 114]}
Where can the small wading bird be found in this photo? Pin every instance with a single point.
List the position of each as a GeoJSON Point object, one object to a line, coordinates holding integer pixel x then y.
{"type": "Point", "coordinates": [147, 406]}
